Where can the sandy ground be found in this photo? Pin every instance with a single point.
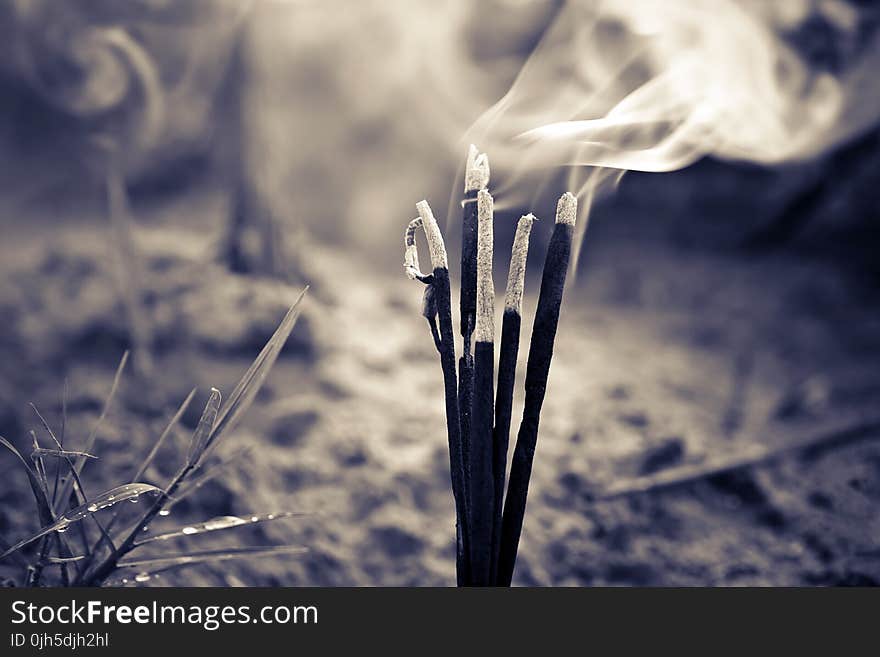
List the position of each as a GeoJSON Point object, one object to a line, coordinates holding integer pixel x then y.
{"type": "Point", "coordinates": [669, 361]}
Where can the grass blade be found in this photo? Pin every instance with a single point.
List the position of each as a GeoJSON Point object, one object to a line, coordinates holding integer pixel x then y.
{"type": "Point", "coordinates": [102, 501]}
{"type": "Point", "coordinates": [44, 509]}
{"type": "Point", "coordinates": [90, 441]}
{"type": "Point", "coordinates": [150, 568]}
{"type": "Point", "coordinates": [39, 466]}
{"type": "Point", "coordinates": [5, 545]}
{"type": "Point", "coordinates": [40, 452]}
{"type": "Point", "coordinates": [202, 434]}
{"type": "Point", "coordinates": [60, 441]}
{"type": "Point", "coordinates": [163, 563]}
{"type": "Point", "coordinates": [63, 560]}
{"type": "Point", "coordinates": [244, 392]}
{"type": "Point", "coordinates": [219, 523]}
{"type": "Point", "coordinates": [83, 498]}
{"type": "Point", "coordinates": [142, 470]}
{"type": "Point", "coordinates": [207, 475]}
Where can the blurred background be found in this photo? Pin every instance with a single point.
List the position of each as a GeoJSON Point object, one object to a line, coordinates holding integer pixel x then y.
{"type": "Point", "coordinates": [173, 172]}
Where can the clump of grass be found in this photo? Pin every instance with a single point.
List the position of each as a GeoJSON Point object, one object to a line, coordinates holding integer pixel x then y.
{"type": "Point", "coordinates": [97, 553]}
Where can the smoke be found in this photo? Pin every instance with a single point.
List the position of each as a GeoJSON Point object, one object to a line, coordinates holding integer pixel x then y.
{"type": "Point", "coordinates": [655, 85]}
{"type": "Point", "coordinates": [347, 101]}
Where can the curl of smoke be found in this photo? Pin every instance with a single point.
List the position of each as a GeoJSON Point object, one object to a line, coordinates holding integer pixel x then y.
{"type": "Point", "coordinates": [621, 85]}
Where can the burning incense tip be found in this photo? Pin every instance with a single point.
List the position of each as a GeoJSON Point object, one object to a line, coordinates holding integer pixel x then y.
{"type": "Point", "coordinates": [436, 247]}
{"type": "Point", "coordinates": [476, 173]}
{"type": "Point", "coordinates": [485, 330]}
{"type": "Point", "coordinates": [411, 252]}
{"type": "Point", "coordinates": [566, 209]}
{"type": "Point", "coordinates": [517, 273]}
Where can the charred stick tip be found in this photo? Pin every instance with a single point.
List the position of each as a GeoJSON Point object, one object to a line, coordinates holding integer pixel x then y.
{"type": "Point", "coordinates": [485, 329]}
{"type": "Point", "coordinates": [517, 272]}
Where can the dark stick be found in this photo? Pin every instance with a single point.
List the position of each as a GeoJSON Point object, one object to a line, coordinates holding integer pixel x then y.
{"type": "Point", "coordinates": [509, 352]}
{"type": "Point", "coordinates": [465, 403]}
{"type": "Point", "coordinates": [476, 178]}
{"type": "Point", "coordinates": [537, 371]}
{"type": "Point", "coordinates": [482, 481]}
{"type": "Point", "coordinates": [441, 299]}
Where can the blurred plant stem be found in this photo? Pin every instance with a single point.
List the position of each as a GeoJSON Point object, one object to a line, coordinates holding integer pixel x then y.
{"type": "Point", "coordinates": [129, 267]}
{"type": "Point", "coordinates": [253, 242]}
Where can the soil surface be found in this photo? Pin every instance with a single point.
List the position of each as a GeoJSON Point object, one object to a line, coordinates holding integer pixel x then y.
{"type": "Point", "coordinates": [672, 365]}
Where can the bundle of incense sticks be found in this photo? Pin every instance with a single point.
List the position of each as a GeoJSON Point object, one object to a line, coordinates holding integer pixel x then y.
{"type": "Point", "coordinates": [478, 417]}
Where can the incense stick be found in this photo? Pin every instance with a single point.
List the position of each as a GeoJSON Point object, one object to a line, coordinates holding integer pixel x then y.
{"type": "Point", "coordinates": [508, 354]}
{"type": "Point", "coordinates": [487, 531]}
{"type": "Point", "coordinates": [537, 371]}
{"type": "Point", "coordinates": [439, 299]}
{"type": "Point", "coordinates": [482, 480]}
{"type": "Point", "coordinates": [476, 178]}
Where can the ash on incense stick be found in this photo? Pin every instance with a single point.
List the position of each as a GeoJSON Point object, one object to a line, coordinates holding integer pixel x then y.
{"type": "Point", "coordinates": [478, 418]}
